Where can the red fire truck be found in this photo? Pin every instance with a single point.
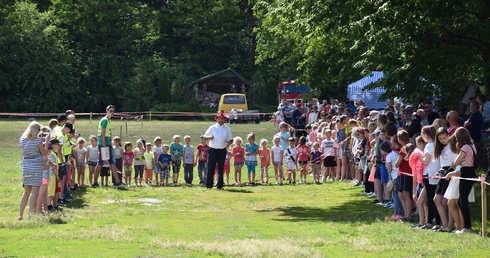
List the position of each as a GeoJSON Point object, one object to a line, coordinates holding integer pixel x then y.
{"type": "Point", "coordinates": [291, 91]}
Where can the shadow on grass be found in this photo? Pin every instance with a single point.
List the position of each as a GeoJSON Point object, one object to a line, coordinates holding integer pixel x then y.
{"type": "Point", "coordinates": [237, 190]}
{"type": "Point", "coordinates": [358, 210]}
{"type": "Point", "coordinates": [56, 220]}
{"type": "Point", "coordinates": [79, 200]}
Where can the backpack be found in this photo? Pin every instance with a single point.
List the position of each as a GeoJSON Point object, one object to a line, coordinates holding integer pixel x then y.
{"type": "Point", "coordinates": [476, 159]}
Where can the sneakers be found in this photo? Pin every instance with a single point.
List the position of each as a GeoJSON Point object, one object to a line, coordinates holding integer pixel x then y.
{"type": "Point", "coordinates": [95, 185]}
{"type": "Point", "coordinates": [376, 201]}
{"type": "Point", "coordinates": [62, 202]}
{"type": "Point", "coordinates": [396, 217]}
{"type": "Point", "coordinates": [463, 230]}
{"type": "Point", "coordinates": [69, 198]}
{"type": "Point", "coordinates": [120, 184]}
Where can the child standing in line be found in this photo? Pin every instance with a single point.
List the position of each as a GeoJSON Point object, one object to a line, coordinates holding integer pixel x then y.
{"type": "Point", "coordinates": [265, 160]}
{"type": "Point", "coordinates": [189, 161]}
{"type": "Point", "coordinates": [284, 135]}
{"type": "Point", "coordinates": [149, 164]}
{"type": "Point", "coordinates": [92, 158]}
{"type": "Point", "coordinates": [80, 154]}
{"type": "Point", "coordinates": [237, 152]}
{"type": "Point", "coordinates": [277, 155]}
{"type": "Point", "coordinates": [157, 150]}
{"type": "Point", "coordinates": [391, 159]}
{"type": "Point", "coordinates": [418, 193]}
{"type": "Point", "coordinates": [104, 174]}
{"type": "Point", "coordinates": [202, 159]}
{"type": "Point", "coordinates": [227, 164]}
{"type": "Point", "coordinates": [176, 150]}
{"type": "Point", "coordinates": [164, 161]}
{"type": "Point", "coordinates": [316, 162]}
{"type": "Point", "coordinates": [329, 150]}
{"type": "Point", "coordinates": [291, 155]}
{"type": "Point", "coordinates": [139, 161]}
{"type": "Point", "coordinates": [128, 162]}
{"type": "Point", "coordinates": [303, 157]}
{"type": "Point", "coordinates": [118, 156]}
{"type": "Point", "coordinates": [251, 149]}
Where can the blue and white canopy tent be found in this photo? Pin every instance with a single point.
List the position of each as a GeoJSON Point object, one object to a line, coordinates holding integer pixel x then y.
{"type": "Point", "coordinates": [356, 91]}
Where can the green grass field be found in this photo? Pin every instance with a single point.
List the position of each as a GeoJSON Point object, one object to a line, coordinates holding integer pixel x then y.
{"type": "Point", "coordinates": [329, 220]}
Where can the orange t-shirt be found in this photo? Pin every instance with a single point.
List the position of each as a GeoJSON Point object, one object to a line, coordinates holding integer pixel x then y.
{"type": "Point", "coordinates": [265, 156]}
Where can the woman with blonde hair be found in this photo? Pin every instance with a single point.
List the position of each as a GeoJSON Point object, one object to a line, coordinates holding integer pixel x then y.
{"type": "Point", "coordinates": [33, 150]}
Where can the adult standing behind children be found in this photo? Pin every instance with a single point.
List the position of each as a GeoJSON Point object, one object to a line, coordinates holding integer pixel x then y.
{"type": "Point", "coordinates": [218, 134]}
{"type": "Point", "coordinates": [104, 136]}
{"type": "Point", "coordinates": [33, 151]}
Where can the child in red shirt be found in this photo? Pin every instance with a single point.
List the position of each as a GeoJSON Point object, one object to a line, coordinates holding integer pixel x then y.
{"type": "Point", "coordinates": [303, 158]}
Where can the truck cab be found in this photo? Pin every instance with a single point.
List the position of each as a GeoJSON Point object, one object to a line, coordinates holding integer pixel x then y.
{"type": "Point", "coordinates": [291, 91]}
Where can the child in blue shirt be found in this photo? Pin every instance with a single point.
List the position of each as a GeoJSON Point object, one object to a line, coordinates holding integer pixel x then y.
{"type": "Point", "coordinates": [164, 161]}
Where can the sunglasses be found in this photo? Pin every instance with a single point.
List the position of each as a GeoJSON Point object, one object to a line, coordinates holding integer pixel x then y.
{"type": "Point", "coordinates": [111, 110]}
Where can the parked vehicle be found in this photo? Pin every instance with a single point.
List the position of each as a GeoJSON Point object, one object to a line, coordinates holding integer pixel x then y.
{"type": "Point", "coordinates": [291, 91]}
{"type": "Point", "coordinates": [236, 107]}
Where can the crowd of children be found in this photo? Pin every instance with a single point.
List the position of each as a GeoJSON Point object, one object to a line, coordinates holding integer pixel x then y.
{"type": "Point", "coordinates": [402, 170]}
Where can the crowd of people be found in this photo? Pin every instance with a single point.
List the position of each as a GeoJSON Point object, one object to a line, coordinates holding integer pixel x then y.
{"type": "Point", "coordinates": [404, 156]}
{"type": "Point", "coordinates": [412, 159]}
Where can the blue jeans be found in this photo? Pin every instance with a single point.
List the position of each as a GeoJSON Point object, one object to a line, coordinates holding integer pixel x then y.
{"type": "Point", "coordinates": [398, 203]}
{"type": "Point", "coordinates": [202, 171]}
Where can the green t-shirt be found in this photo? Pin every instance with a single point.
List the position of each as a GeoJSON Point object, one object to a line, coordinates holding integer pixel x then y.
{"type": "Point", "coordinates": [107, 124]}
{"type": "Point", "coordinates": [176, 150]}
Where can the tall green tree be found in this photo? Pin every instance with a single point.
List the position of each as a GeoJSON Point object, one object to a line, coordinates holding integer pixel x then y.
{"type": "Point", "coordinates": [36, 71]}
{"type": "Point", "coordinates": [425, 48]}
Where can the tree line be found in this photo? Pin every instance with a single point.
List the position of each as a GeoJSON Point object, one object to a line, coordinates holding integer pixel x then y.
{"type": "Point", "coordinates": [141, 55]}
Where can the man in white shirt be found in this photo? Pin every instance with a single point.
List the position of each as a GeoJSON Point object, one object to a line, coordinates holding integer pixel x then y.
{"type": "Point", "coordinates": [219, 135]}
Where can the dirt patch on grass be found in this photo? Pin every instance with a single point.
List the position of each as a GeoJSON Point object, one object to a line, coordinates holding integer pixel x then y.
{"type": "Point", "coordinates": [242, 248]}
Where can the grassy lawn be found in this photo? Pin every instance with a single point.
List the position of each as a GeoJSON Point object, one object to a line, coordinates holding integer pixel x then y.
{"type": "Point", "coordinates": [329, 220]}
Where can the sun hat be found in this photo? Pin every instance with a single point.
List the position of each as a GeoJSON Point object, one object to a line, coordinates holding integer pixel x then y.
{"type": "Point", "coordinates": [220, 114]}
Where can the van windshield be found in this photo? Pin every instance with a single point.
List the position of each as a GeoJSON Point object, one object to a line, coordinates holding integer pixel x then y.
{"type": "Point", "coordinates": [234, 100]}
{"type": "Point", "coordinates": [293, 89]}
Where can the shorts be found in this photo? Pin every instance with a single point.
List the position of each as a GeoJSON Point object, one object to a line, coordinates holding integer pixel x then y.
{"type": "Point", "coordinates": [316, 168]}
{"type": "Point", "coordinates": [329, 161]}
{"type": "Point", "coordinates": [405, 183]}
{"type": "Point", "coordinates": [251, 163]}
{"type": "Point", "coordinates": [227, 169]}
{"type": "Point", "coordinates": [45, 175]}
{"type": "Point", "coordinates": [291, 165]}
{"type": "Point", "coordinates": [128, 169]}
{"type": "Point", "coordinates": [58, 186]}
{"type": "Point", "coordinates": [419, 189]}
{"type": "Point", "coordinates": [238, 164]}
{"type": "Point", "coordinates": [104, 171]}
{"type": "Point", "coordinates": [340, 152]}
{"type": "Point", "coordinates": [277, 162]}
{"type": "Point", "coordinates": [138, 171]}
{"type": "Point", "coordinates": [52, 186]}
{"type": "Point", "coordinates": [305, 162]}
{"type": "Point", "coordinates": [111, 160]}
{"type": "Point", "coordinates": [157, 169]}
{"type": "Point", "coordinates": [384, 173]}
{"type": "Point", "coordinates": [443, 184]}
{"type": "Point", "coordinates": [176, 166]}
{"type": "Point", "coordinates": [165, 172]}
{"type": "Point", "coordinates": [92, 163]}
{"type": "Point", "coordinates": [61, 171]}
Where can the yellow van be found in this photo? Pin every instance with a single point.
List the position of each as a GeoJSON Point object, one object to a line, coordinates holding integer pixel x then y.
{"type": "Point", "coordinates": [236, 107]}
{"type": "Point", "coordinates": [229, 101]}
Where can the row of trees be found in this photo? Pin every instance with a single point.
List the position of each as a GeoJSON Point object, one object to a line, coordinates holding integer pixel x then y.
{"type": "Point", "coordinates": [137, 55]}
{"type": "Point", "coordinates": [425, 48]}
{"type": "Point", "coordinates": [85, 54]}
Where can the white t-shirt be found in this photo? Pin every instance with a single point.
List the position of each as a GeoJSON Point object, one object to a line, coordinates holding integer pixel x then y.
{"type": "Point", "coordinates": [392, 157]}
{"type": "Point", "coordinates": [291, 155]}
{"type": "Point", "coordinates": [447, 156]}
{"type": "Point", "coordinates": [276, 153]}
{"type": "Point", "coordinates": [328, 146]}
{"type": "Point", "coordinates": [222, 134]}
{"type": "Point", "coordinates": [93, 153]}
{"type": "Point", "coordinates": [433, 166]}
